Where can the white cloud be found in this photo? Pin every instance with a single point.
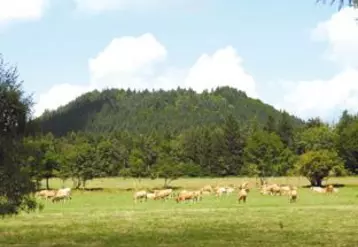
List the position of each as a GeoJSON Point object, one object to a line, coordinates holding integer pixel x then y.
{"type": "Point", "coordinates": [127, 58]}
{"type": "Point", "coordinates": [58, 95]}
{"type": "Point", "coordinates": [341, 34]}
{"type": "Point", "coordinates": [325, 98]}
{"type": "Point", "coordinates": [21, 10]}
{"type": "Point", "coordinates": [223, 68]}
{"type": "Point", "coordinates": [138, 63]}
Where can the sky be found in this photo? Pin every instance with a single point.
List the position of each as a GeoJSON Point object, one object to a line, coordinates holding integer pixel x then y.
{"type": "Point", "coordinates": [295, 55]}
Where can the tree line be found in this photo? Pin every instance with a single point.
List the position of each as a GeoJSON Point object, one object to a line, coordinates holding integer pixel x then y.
{"type": "Point", "coordinates": [315, 150]}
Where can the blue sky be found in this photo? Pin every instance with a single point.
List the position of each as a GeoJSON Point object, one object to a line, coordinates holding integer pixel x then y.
{"type": "Point", "coordinates": [290, 54]}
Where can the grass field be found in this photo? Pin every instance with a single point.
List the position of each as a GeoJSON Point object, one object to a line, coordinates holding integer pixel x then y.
{"type": "Point", "coordinates": [109, 217]}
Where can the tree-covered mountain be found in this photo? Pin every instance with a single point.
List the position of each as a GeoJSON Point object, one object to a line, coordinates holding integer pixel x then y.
{"type": "Point", "coordinates": [145, 111]}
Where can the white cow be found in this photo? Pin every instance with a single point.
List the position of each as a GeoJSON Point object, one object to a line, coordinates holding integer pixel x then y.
{"type": "Point", "coordinates": [62, 194]}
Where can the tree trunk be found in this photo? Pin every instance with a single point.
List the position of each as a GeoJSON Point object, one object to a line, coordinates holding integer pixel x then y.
{"type": "Point", "coordinates": [165, 182]}
{"type": "Point", "coordinates": [316, 182]}
{"type": "Point", "coordinates": [76, 183]}
{"type": "Point", "coordinates": [47, 184]}
{"type": "Point", "coordinates": [319, 182]}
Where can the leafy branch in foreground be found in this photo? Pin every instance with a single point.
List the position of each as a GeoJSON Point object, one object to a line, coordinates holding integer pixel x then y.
{"type": "Point", "coordinates": [16, 185]}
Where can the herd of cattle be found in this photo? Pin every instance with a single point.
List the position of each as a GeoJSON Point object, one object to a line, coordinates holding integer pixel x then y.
{"type": "Point", "coordinates": [243, 190]}
{"type": "Point", "coordinates": [64, 194]}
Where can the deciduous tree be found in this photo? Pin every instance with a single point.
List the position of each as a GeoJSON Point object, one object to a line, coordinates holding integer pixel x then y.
{"type": "Point", "coordinates": [16, 185]}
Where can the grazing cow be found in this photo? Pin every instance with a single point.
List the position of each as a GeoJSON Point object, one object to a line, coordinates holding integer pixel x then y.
{"type": "Point", "coordinates": [285, 190]}
{"type": "Point", "coordinates": [293, 196]}
{"type": "Point", "coordinates": [150, 195]}
{"type": "Point", "coordinates": [198, 194]}
{"type": "Point", "coordinates": [187, 196]}
{"type": "Point", "coordinates": [208, 188]}
{"type": "Point", "coordinates": [62, 194]}
{"type": "Point", "coordinates": [140, 195]}
{"type": "Point", "coordinates": [46, 194]}
{"type": "Point", "coordinates": [242, 195]}
{"type": "Point", "coordinates": [272, 189]}
{"type": "Point", "coordinates": [163, 194]}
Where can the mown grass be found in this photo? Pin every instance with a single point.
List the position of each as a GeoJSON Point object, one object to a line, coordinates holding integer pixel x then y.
{"type": "Point", "coordinates": [110, 218]}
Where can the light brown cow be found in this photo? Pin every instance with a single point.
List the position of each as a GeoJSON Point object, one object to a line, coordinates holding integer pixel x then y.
{"type": "Point", "coordinates": [187, 196]}
{"type": "Point", "coordinates": [242, 195]}
{"type": "Point", "coordinates": [329, 188]}
{"type": "Point", "coordinates": [272, 189]}
{"type": "Point", "coordinates": [293, 196]}
{"type": "Point", "coordinates": [285, 190]}
{"type": "Point", "coordinates": [162, 194]}
{"type": "Point", "coordinates": [46, 194]}
{"type": "Point", "coordinates": [208, 188]}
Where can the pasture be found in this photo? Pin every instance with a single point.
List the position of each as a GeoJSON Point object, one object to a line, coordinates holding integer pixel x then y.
{"type": "Point", "coordinates": [107, 216]}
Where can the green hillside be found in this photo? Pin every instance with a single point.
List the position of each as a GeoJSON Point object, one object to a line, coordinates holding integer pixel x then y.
{"type": "Point", "coordinates": [146, 111]}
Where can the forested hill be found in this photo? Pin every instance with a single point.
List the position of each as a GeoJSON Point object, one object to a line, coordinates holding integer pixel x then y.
{"type": "Point", "coordinates": [143, 112]}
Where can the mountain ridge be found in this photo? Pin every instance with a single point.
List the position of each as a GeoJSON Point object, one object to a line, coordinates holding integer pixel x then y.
{"type": "Point", "coordinates": [159, 110]}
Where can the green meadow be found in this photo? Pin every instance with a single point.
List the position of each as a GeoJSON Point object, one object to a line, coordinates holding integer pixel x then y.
{"type": "Point", "coordinates": [105, 215]}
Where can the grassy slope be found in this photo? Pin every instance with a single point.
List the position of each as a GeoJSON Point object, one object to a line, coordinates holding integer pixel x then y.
{"type": "Point", "coordinates": [109, 218]}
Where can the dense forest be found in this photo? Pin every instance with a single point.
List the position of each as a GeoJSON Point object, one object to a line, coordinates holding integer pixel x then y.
{"type": "Point", "coordinates": [144, 111]}
{"type": "Point", "coordinates": [171, 134]}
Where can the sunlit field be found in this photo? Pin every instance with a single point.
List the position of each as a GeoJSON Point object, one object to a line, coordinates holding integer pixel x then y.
{"type": "Point", "coordinates": [107, 216]}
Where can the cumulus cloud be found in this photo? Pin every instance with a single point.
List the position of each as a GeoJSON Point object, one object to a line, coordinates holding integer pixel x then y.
{"type": "Point", "coordinates": [323, 97]}
{"type": "Point", "coordinates": [223, 68]}
{"type": "Point", "coordinates": [340, 32]}
{"type": "Point", "coordinates": [21, 10]}
{"type": "Point", "coordinates": [326, 98]}
{"type": "Point", "coordinates": [59, 95]}
{"type": "Point", "coordinates": [139, 63]}
{"type": "Point", "coordinates": [127, 62]}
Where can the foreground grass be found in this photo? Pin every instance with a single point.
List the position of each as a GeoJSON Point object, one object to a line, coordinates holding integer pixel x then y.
{"type": "Point", "coordinates": [109, 218]}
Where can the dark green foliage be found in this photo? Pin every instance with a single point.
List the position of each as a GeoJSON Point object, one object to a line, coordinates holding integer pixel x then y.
{"type": "Point", "coordinates": [264, 150]}
{"type": "Point", "coordinates": [285, 129]}
{"type": "Point", "coordinates": [347, 146]}
{"type": "Point", "coordinates": [159, 111]}
{"type": "Point", "coordinates": [15, 181]}
{"type": "Point", "coordinates": [316, 165]}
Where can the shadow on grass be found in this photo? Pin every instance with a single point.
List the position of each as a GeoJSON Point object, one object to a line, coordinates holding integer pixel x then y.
{"type": "Point", "coordinates": [334, 185]}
